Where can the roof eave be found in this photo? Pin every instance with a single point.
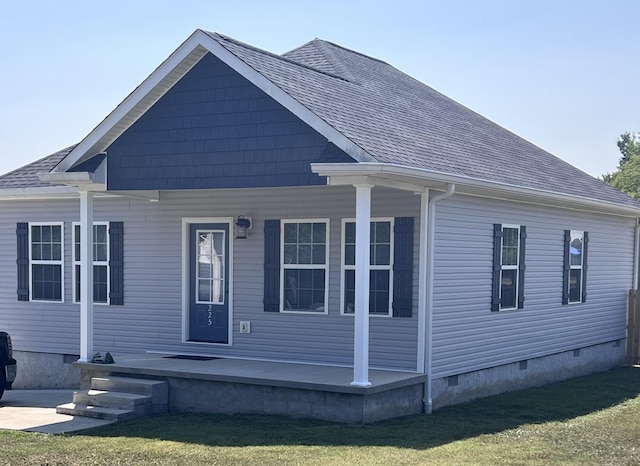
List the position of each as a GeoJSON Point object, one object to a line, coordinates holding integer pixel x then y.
{"type": "Point", "coordinates": [85, 181]}
{"type": "Point", "coordinates": [48, 192]}
{"type": "Point", "coordinates": [340, 174]}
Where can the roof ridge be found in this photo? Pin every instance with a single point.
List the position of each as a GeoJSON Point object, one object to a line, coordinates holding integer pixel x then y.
{"type": "Point", "coordinates": [353, 51]}
{"type": "Point", "coordinates": [335, 62]}
{"type": "Point", "coordinates": [218, 37]}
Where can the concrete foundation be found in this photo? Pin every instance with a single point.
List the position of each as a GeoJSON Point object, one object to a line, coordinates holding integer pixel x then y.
{"type": "Point", "coordinates": [461, 388]}
{"type": "Point", "coordinates": [295, 390]}
{"type": "Point", "coordinates": [298, 390]}
{"type": "Point", "coordinates": [233, 398]}
{"type": "Point", "coordinates": [43, 370]}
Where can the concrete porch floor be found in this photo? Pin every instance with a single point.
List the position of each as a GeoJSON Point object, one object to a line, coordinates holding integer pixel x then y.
{"type": "Point", "coordinates": [278, 374]}
{"type": "Point", "coordinates": [293, 389]}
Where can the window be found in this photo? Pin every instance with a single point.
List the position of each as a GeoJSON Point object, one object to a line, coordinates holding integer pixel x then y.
{"type": "Point", "coordinates": [575, 267]}
{"type": "Point", "coordinates": [304, 265]}
{"type": "Point", "coordinates": [296, 266]}
{"type": "Point", "coordinates": [508, 267]}
{"type": "Point", "coordinates": [380, 268]}
{"type": "Point", "coordinates": [100, 262]}
{"type": "Point", "coordinates": [46, 261]}
{"type": "Point", "coordinates": [40, 255]}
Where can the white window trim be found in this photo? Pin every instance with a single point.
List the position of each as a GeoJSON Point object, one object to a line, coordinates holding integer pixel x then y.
{"type": "Point", "coordinates": [576, 267]}
{"type": "Point", "coordinates": [510, 267]}
{"type": "Point", "coordinates": [60, 262]}
{"type": "Point", "coordinates": [324, 266]}
{"type": "Point", "coordinates": [103, 263]}
{"type": "Point", "coordinates": [344, 267]}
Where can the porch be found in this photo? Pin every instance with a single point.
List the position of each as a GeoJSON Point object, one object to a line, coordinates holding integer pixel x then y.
{"type": "Point", "coordinates": [223, 385]}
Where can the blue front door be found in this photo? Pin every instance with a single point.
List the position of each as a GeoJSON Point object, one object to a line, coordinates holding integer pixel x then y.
{"type": "Point", "coordinates": [209, 282]}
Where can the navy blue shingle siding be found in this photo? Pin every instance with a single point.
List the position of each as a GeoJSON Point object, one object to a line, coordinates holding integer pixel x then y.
{"type": "Point", "coordinates": [214, 129]}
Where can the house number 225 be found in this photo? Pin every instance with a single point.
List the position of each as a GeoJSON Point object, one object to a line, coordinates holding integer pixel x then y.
{"type": "Point", "coordinates": [210, 316]}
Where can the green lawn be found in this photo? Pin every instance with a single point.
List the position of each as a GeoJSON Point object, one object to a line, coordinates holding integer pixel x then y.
{"type": "Point", "coordinates": [590, 420]}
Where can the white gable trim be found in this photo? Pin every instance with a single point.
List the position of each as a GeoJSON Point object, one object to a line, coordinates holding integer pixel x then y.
{"type": "Point", "coordinates": [291, 104]}
{"type": "Point", "coordinates": [138, 102]}
{"type": "Point", "coordinates": [171, 71]}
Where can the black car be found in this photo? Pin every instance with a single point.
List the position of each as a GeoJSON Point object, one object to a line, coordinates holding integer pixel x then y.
{"type": "Point", "coordinates": [8, 366]}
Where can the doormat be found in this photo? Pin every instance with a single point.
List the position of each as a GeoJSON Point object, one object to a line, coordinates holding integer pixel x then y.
{"type": "Point", "coordinates": [191, 358]}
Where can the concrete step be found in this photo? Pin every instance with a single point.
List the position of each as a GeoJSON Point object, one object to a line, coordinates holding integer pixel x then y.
{"type": "Point", "coordinates": [157, 389]}
{"type": "Point", "coordinates": [97, 412]}
{"type": "Point", "coordinates": [139, 403]}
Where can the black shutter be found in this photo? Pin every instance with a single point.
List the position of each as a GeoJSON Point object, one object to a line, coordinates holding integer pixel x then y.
{"type": "Point", "coordinates": [567, 267]}
{"type": "Point", "coordinates": [403, 267]}
{"type": "Point", "coordinates": [272, 265]}
{"type": "Point", "coordinates": [585, 249]}
{"type": "Point", "coordinates": [522, 266]}
{"type": "Point", "coordinates": [22, 232]}
{"type": "Point", "coordinates": [497, 267]}
{"type": "Point", "coordinates": [116, 263]}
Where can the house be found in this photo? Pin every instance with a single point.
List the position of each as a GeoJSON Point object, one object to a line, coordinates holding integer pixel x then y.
{"type": "Point", "coordinates": [319, 225]}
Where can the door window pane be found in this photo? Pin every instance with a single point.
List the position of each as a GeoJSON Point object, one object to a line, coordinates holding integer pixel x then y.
{"type": "Point", "coordinates": [210, 266]}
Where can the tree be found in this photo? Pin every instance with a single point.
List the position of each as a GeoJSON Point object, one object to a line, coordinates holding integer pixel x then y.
{"type": "Point", "coordinates": [627, 177]}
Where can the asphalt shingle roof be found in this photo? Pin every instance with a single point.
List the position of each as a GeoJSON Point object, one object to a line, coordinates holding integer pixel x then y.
{"type": "Point", "coordinates": [27, 176]}
{"type": "Point", "coordinates": [396, 120]}
{"type": "Point", "coordinates": [399, 120]}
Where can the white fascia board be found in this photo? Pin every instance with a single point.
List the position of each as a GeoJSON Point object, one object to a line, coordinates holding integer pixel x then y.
{"type": "Point", "coordinates": [90, 145]}
{"type": "Point", "coordinates": [81, 180]}
{"type": "Point", "coordinates": [53, 192]}
{"type": "Point", "coordinates": [67, 177]}
{"type": "Point", "coordinates": [467, 185]}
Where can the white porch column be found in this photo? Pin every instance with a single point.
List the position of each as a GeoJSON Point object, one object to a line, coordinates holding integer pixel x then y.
{"type": "Point", "coordinates": [86, 276]}
{"type": "Point", "coordinates": [361, 320]}
{"type": "Point", "coordinates": [422, 281]}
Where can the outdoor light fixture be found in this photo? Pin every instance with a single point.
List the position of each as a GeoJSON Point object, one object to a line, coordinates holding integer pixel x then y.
{"type": "Point", "coordinates": [243, 225]}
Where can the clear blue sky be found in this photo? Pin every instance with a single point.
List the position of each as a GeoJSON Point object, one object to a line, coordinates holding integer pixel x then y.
{"type": "Point", "coordinates": [563, 74]}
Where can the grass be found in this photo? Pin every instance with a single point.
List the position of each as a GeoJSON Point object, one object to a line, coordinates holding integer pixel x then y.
{"type": "Point", "coordinates": [589, 420]}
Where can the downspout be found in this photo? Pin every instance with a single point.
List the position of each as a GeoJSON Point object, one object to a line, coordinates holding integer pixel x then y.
{"type": "Point", "coordinates": [451, 188]}
{"type": "Point", "coordinates": [636, 256]}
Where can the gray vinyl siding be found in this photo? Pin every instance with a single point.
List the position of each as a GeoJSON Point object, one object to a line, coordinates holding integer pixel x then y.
{"type": "Point", "coordinates": [468, 336]}
{"type": "Point", "coordinates": [37, 325]}
{"type": "Point", "coordinates": [151, 318]}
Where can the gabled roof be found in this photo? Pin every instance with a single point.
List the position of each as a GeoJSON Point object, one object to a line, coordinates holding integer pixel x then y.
{"type": "Point", "coordinates": [373, 112]}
